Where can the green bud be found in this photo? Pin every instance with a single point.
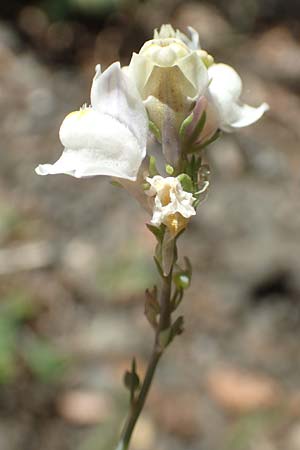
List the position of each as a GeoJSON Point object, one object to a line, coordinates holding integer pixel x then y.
{"type": "Point", "coordinates": [146, 186]}
{"type": "Point", "coordinates": [178, 326]}
{"type": "Point", "coordinates": [131, 380]}
{"type": "Point", "coordinates": [169, 169]}
{"type": "Point", "coordinates": [152, 167]}
{"type": "Point", "coordinates": [182, 280]}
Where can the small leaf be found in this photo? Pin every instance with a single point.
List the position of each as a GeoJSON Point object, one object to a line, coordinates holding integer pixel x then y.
{"type": "Point", "coordinates": [132, 380]}
{"type": "Point", "coordinates": [157, 231]}
{"type": "Point", "coordinates": [185, 124]}
{"type": "Point", "coordinates": [186, 182]}
{"type": "Point", "coordinates": [178, 326]}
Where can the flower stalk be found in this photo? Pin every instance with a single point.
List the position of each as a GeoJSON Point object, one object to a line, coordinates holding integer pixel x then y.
{"type": "Point", "coordinates": [158, 350]}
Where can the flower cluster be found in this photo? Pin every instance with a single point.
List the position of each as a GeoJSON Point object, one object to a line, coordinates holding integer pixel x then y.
{"type": "Point", "coordinates": [171, 89]}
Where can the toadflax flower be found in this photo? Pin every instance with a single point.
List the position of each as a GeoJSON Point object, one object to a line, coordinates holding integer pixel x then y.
{"type": "Point", "coordinates": [107, 138]}
{"type": "Point", "coordinates": [172, 205]}
{"type": "Point", "coordinates": [170, 76]}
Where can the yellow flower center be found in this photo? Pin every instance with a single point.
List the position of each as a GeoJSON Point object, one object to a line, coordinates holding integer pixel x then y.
{"type": "Point", "coordinates": [165, 196]}
{"type": "Point", "coordinates": [175, 223]}
{"type": "Point", "coordinates": [78, 114]}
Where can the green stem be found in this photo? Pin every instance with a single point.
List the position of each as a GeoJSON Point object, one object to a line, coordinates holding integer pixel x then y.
{"type": "Point", "coordinates": [164, 323]}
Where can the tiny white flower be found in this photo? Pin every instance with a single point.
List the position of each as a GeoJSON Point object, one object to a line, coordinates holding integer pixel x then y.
{"type": "Point", "coordinates": [172, 205]}
{"type": "Point", "coordinates": [108, 138]}
{"type": "Point", "coordinates": [224, 92]}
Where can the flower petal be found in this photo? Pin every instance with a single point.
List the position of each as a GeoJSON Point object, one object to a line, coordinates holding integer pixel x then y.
{"type": "Point", "coordinates": [225, 89]}
{"type": "Point", "coordinates": [192, 41]}
{"type": "Point", "coordinates": [96, 144]}
{"type": "Point", "coordinates": [139, 70]}
{"type": "Point", "coordinates": [195, 71]}
{"type": "Point", "coordinates": [115, 94]}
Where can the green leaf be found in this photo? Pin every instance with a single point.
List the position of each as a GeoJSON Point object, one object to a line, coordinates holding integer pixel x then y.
{"type": "Point", "coordinates": [185, 124]}
{"type": "Point", "coordinates": [157, 231]}
{"type": "Point", "coordinates": [186, 182]}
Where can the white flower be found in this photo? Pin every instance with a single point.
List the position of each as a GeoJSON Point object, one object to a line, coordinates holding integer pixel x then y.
{"type": "Point", "coordinates": [170, 76]}
{"type": "Point", "coordinates": [108, 138]}
{"type": "Point", "coordinates": [172, 205]}
{"type": "Point", "coordinates": [224, 91]}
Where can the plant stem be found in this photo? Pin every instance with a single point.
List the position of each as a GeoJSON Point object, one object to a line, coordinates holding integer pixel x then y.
{"type": "Point", "coordinates": [137, 406]}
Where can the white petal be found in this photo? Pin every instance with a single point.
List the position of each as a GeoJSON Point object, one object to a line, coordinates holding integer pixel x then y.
{"type": "Point", "coordinates": [193, 41]}
{"type": "Point", "coordinates": [139, 70]}
{"type": "Point", "coordinates": [195, 72]}
{"type": "Point", "coordinates": [225, 89]}
{"type": "Point", "coordinates": [194, 44]}
{"type": "Point", "coordinates": [115, 94]}
{"type": "Point", "coordinates": [96, 144]}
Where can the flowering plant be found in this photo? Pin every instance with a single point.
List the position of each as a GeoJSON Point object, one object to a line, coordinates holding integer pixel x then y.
{"type": "Point", "coordinates": [171, 91]}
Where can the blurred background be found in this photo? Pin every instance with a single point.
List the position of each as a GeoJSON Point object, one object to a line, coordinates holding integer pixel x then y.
{"type": "Point", "coordinates": [75, 255]}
